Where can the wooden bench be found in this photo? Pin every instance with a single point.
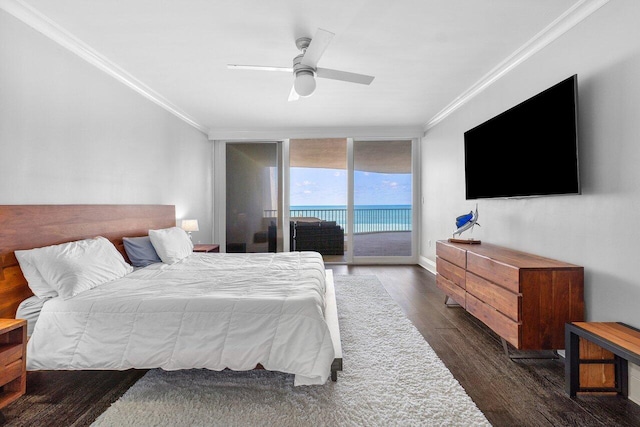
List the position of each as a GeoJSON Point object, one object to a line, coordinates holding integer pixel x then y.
{"type": "Point", "coordinates": [620, 339]}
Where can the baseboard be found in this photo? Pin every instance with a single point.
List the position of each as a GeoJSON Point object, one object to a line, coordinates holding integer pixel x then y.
{"type": "Point", "coordinates": [427, 264]}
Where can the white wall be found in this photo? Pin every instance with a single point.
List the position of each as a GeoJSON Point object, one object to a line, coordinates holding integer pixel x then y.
{"type": "Point", "coordinates": [70, 133]}
{"type": "Point", "coordinates": [596, 229]}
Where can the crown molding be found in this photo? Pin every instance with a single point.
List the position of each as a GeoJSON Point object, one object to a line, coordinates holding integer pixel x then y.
{"type": "Point", "coordinates": [570, 18]}
{"type": "Point", "coordinates": [39, 22]}
{"type": "Point", "coordinates": [320, 132]}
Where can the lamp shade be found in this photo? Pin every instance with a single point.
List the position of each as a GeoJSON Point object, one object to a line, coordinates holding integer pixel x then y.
{"type": "Point", "coordinates": [304, 84]}
{"type": "Point", "coordinates": [190, 225]}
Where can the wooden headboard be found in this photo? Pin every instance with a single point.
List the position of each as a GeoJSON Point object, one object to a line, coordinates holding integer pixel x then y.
{"type": "Point", "coordinates": [34, 226]}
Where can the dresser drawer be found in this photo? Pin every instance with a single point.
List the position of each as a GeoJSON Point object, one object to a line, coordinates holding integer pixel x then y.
{"type": "Point", "coordinates": [503, 300]}
{"type": "Point", "coordinates": [501, 324]}
{"type": "Point", "coordinates": [452, 254]}
{"type": "Point", "coordinates": [452, 290]}
{"type": "Point", "coordinates": [450, 271]}
{"type": "Point", "coordinates": [504, 275]}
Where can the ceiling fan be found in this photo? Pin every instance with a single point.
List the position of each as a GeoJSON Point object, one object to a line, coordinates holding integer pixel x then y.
{"type": "Point", "coordinates": [305, 66]}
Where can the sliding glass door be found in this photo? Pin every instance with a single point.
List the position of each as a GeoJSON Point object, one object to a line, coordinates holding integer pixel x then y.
{"type": "Point", "coordinates": [352, 200]}
{"type": "Point", "coordinates": [252, 197]}
{"type": "Point", "coordinates": [318, 196]}
{"type": "Point", "coordinates": [382, 198]}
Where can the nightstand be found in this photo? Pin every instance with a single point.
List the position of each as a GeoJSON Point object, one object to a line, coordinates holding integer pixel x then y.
{"type": "Point", "coordinates": [206, 248]}
{"type": "Point", "coordinates": [13, 360]}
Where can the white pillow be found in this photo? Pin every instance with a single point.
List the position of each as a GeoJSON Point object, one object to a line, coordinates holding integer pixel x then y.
{"type": "Point", "coordinates": [74, 267]}
{"type": "Point", "coordinates": [171, 244]}
{"type": "Point", "coordinates": [36, 282]}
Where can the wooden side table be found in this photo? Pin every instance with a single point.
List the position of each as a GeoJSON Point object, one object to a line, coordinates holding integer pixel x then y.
{"type": "Point", "coordinates": [206, 248]}
{"type": "Point", "coordinates": [618, 338]}
{"type": "Point", "coordinates": [13, 361]}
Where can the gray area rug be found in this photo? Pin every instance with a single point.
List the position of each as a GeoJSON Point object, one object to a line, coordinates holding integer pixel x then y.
{"type": "Point", "coordinates": [391, 377]}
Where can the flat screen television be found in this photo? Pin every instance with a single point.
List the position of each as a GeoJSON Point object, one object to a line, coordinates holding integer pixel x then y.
{"type": "Point", "coordinates": [529, 150]}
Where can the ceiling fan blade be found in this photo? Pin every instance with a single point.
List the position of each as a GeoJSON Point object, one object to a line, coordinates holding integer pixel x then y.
{"type": "Point", "coordinates": [259, 68]}
{"type": "Point", "coordinates": [293, 95]}
{"type": "Point", "coordinates": [316, 48]}
{"type": "Point", "coordinates": [327, 73]}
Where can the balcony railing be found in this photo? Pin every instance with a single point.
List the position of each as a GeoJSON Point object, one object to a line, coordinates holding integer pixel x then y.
{"type": "Point", "coordinates": [366, 220]}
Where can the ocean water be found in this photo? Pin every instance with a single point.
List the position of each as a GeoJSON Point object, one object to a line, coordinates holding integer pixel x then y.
{"type": "Point", "coordinates": [355, 207]}
{"type": "Point", "coordinates": [367, 218]}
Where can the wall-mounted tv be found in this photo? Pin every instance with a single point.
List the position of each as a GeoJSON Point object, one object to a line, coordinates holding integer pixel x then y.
{"type": "Point", "coordinates": [529, 150]}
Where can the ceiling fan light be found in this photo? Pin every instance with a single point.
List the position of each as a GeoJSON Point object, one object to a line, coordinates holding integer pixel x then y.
{"type": "Point", "coordinates": [304, 84]}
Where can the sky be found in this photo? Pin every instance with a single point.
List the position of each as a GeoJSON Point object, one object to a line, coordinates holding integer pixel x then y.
{"type": "Point", "coordinates": [328, 187]}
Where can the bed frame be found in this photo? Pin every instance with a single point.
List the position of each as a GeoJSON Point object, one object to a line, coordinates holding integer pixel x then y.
{"type": "Point", "coordinates": [33, 226]}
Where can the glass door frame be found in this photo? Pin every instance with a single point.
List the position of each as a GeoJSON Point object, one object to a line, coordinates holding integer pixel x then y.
{"type": "Point", "coordinates": [415, 204]}
{"type": "Point", "coordinates": [219, 210]}
{"type": "Point", "coordinates": [219, 199]}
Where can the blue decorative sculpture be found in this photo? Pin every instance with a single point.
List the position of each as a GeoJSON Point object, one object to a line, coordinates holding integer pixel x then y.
{"type": "Point", "coordinates": [466, 222]}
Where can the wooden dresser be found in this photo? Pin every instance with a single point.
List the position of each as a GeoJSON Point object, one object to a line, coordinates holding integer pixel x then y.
{"type": "Point", "coordinates": [525, 299]}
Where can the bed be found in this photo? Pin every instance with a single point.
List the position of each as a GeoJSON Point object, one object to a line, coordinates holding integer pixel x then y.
{"type": "Point", "coordinates": [239, 311]}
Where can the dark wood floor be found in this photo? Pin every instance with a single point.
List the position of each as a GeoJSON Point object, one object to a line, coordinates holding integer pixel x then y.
{"type": "Point", "coordinates": [523, 393]}
{"type": "Point", "coordinates": [528, 392]}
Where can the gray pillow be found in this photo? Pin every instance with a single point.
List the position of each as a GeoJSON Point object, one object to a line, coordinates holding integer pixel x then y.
{"type": "Point", "coordinates": [140, 251]}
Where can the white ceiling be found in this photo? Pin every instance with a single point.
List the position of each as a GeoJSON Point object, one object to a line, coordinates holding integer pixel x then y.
{"type": "Point", "coordinates": [423, 54]}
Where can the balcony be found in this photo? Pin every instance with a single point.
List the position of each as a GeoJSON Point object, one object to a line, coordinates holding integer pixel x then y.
{"type": "Point", "coordinates": [366, 219]}
{"type": "Point", "coordinates": [378, 230]}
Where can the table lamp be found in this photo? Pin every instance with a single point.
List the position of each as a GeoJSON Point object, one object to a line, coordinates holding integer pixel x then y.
{"type": "Point", "coordinates": [189, 225]}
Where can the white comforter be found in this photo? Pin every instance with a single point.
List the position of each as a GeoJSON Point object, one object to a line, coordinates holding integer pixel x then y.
{"type": "Point", "coordinates": [211, 311]}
